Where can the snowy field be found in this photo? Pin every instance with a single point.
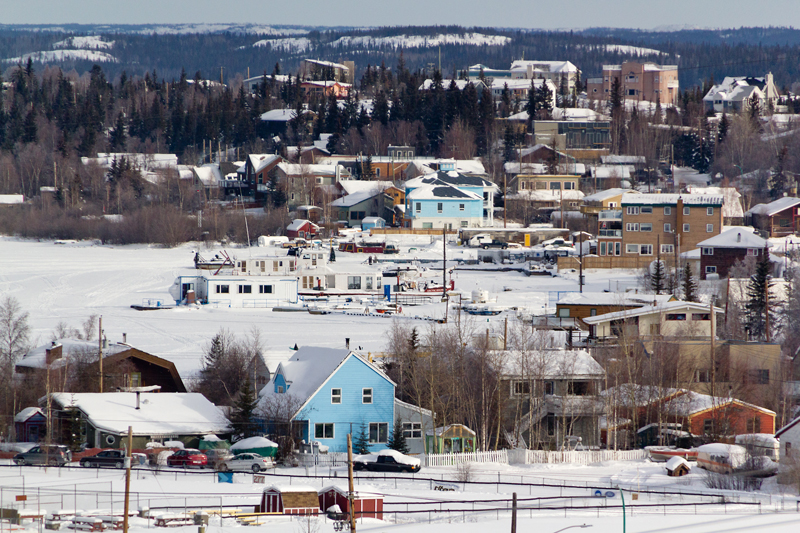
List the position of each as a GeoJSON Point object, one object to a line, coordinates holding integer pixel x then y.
{"type": "Point", "coordinates": [550, 497]}
{"type": "Point", "coordinates": [68, 282]}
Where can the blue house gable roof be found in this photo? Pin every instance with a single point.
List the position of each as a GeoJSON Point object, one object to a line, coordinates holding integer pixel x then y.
{"type": "Point", "coordinates": [335, 392]}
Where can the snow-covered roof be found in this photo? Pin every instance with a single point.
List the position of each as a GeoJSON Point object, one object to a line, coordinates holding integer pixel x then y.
{"type": "Point", "coordinates": [672, 199]}
{"type": "Point", "coordinates": [775, 207]}
{"type": "Point", "coordinates": [623, 159]}
{"type": "Point", "coordinates": [354, 186]}
{"type": "Point", "coordinates": [327, 64]}
{"type": "Point", "coordinates": [613, 298]}
{"type": "Point", "coordinates": [174, 413]}
{"type": "Point", "coordinates": [546, 66]}
{"type": "Point", "coordinates": [291, 488]}
{"type": "Point", "coordinates": [26, 413]}
{"type": "Point", "coordinates": [550, 364]}
{"type": "Point", "coordinates": [281, 115]}
{"type": "Point", "coordinates": [612, 171]}
{"type": "Point", "coordinates": [736, 89]}
{"type": "Point", "coordinates": [606, 194]}
{"type": "Point", "coordinates": [450, 177]}
{"type": "Point", "coordinates": [693, 402]}
{"type": "Point", "coordinates": [442, 192]}
{"type": "Point", "coordinates": [650, 309]}
{"type": "Point", "coordinates": [498, 84]}
{"type": "Point", "coordinates": [420, 410]}
{"type": "Point", "coordinates": [352, 199]}
{"type": "Point", "coordinates": [7, 199]}
{"type": "Point", "coordinates": [734, 238]}
{"type": "Point", "coordinates": [547, 195]}
{"type": "Point", "coordinates": [259, 161]}
{"type": "Point", "coordinates": [294, 169]}
{"type": "Point", "coordinates": [460, 84]}
{"type": "Point", "coordinates": [298, 223]}
{"type": "Point", "coordinates": [209, 174]}
{"type": "Point", "coordinates": [37, 357]}
{"type": "Point", "coordinates": [732, 206]}
{"type": "Point", "coordinates": [372, 220]}
{"type": "Point", "coordinates": [253, 442]}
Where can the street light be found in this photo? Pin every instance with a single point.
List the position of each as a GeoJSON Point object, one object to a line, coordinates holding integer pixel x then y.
{"type": "Point", "coordinates": [570, 527]}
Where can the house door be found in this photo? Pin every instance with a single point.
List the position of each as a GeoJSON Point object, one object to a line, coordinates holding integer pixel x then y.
{"type": "Point", "coordinates": [185, 288]}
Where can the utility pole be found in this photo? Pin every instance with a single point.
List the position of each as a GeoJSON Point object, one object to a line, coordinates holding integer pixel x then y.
{"type": "Point", "coordinates": [513, 513]}
{"type": "Point", "coordinates": [580, 263]}
{"type": "Point", "coordinates": [713, 362]}
{"type": "Point", "coordinates": [351, 489]}
{"type": "Point", "coordinates": [127, 480]}
{"type": "Point", "coordinates": [444, 266]}
{"type": "Point", "coordinates": [766, 309]}
{"type": "Point", "coordinates": [100, 351]}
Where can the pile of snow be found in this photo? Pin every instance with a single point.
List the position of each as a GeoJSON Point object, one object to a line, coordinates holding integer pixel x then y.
{"type": "Point", "coordinates": [211, 438]}
{"type": "Point", "coordinates": [90, 42]}
{"type": "Point", "coordinates": [16, 447]}
{"type": "Point", "coordinates": [420, 41]}
{"type": "Point", "coordinates": [287, 44]}
{"type": "Point", "coordinates": [56, 56]}
{"type": "Point", "coordinates": [174, 444]}
{"type": "Point", "coordinates": [254, 442]}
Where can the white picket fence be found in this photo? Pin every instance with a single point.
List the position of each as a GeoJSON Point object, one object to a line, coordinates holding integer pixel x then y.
{"type": "Point", "coordinates": [323, 459]}
{"type": "Point", "coordinates": [452, 459]}
{"type": "Point", "coordinates": [583, 457]}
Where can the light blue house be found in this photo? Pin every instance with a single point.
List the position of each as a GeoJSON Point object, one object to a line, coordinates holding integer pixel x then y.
{"type": "Point", "coordinates": [449, 199]}
{"type": "Point", "coordinates": [332, 392]}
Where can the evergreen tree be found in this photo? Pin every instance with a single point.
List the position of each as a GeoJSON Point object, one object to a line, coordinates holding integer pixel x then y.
{"type": "Point", "coordinates": [367, 172]}
{"type": "Point", "coordinates": [658, 276]}
{"type": "Point", "coordinates": [361, 441]}
{"type": "Point", "coordinates": [758, 299]}
{"type": "Point", "coordinates": [779, 183]}
{"type": "Point", "coordinates": [397, 441]}
{"type": "Point", "coordinates": [242, 417]}
{"type": "Point", "coordinates": [722, 129]}
{"type": "Point", "coordinates": [689, 284]}
{"type": "Point", "coordinates": [332, 258]}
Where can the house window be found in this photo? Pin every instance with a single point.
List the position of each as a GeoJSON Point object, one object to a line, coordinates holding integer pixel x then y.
{"type": "Point", "coordinates": [603, 248]}
{"type": "Point", "coordinates": [419, 207]}
{"type": "Point", "coordinates": [759, 376]}
{"type": "Point", "coordinates": [265, 289]}
{"type": "Point", "coordinates": [412, 430]}
{"type": "Point", "coordinates": [702, 376]}
{"type": "Point", "coordinates": [646, 249]}
{"type": "Point", "coordinates": [439, 207]}
{"type": "Point", "coordinates": [460, 207]}
{"type": "Point", "coordinates": [667, 228]}
{"type": "Point", "coordinates": [709, 211]}
{"type": "Point", "coordinates": [280, 389]}
{"type": "Point", "coordinates": [427, 225]}
{"type": "Point", "coordinates": [522, 185]}
{"type": "Point", "coordinates": [555, 185]}
{"type": "Point", "coordinates": [540, 185]}
{"type": "Point", "coordinates": [336, 395]}
{"type": "Point", "coordinates": [701, 316]}
{"type": "Point", "coordinates": [631, 226]}
{"type": "Point", "coordinates": [667, 248]}
{"type": "Point", "coordinates": [223, 289]}
{"type": "Point", "coordinates": [323, 431]}
{"type": "Point", "coordinates": [631, 248]}
{"type": "Point", "coordinates": [647, 210]}
{"type": "Point", "coordinates": [464, 223]}
{"type": "Point", "coordinates": [646, 227]}
{"type": "Point", "coordinates": [369, 283]}
{"type": "Point", "coordinates": [366, 395]}
{"type": "Point", "coordinates": [245, 289]}
{"type": "Point", "coordinates": [686, 228]}
{"type": "Point", "coordinates": [353, 215]}
{"type": "Point", "coordinates": [754, 425]}
{"type": "Point", "coordinates": [632, 211]}
{"type": "Point", "coordinates": [708, 251]}
{"type": "Point", "coordinates": [631, 92]}
{"type": "Point", "coordinates": [676, 316]}
{"type": "Point", "coordinates": [378, 432]}
{"type": "Point", "coordinates": [354, 282]}
{"type": "Point", "coordinates": [708, 425]}
{"type": "Point", "coordinates": [686, 210]}
{"type": "Point", "coordinates": [667, 210]}
{"type": "Point", "coordinates": [520, 388]}
{"type": "Point", "coordinates": [569, 186]}
{"type": "Point", "coordinates": [709, 228]}
{"type": "Point", "coordinates": [711, 270]}
{"type": "Point", "coordinates": [549, 387]}
{"type": "Point", "coordinates": [563, 312]}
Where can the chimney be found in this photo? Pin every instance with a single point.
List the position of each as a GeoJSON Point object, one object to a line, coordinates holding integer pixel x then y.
{"type": "Point", "coordinates": [137, 399]}
{"type": "Point", "coordinates": [739, 237]}
{"type": "Point", "coordinates": [347, 342]}
{"type": "Point", "coordinates": [124, 338]}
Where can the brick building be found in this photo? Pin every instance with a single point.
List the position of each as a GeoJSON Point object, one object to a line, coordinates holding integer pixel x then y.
{"type": "Point", "coordinates": [718, 254]}
{"type": "Point", "coordinates": [640, 82]}
{"type": "Point", "coordinates": [672, 222]}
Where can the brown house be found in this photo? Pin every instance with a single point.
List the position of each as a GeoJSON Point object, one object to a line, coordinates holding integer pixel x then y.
{"type": "Point", "coordinates": [718, 254]}
{"type": "Point", "coordinates": [776, 219]}
{"type": "Point", "coordinates": [581, 305]}
{"type": "Point", "coordinates": [639, 81]}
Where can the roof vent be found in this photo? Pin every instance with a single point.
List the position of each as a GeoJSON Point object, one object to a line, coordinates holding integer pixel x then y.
{"type": "Point", "coordinates": [738, 237]}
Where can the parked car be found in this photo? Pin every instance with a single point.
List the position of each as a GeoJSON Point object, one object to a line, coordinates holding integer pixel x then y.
{"type": "Point", "coordinates": [52, 454]}
{"type": "Point", "coordinates": [216, 456]}
{"type": "Point", "coordinates": [188, 457]}
{"type": "Point", "coordinates": [246, 462]}
{"type": "Point", "coordinates": [386, 461]}
{"type": "Point", "coordinates": [494, 243]}
{"type": "Point", "coordinates": [110, 458]}
{"type": "Point", "coordinates": [391, 249]}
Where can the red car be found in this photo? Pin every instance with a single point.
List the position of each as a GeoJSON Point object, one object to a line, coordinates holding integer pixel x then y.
{"type": "Point", "coordinates": [187, 458]}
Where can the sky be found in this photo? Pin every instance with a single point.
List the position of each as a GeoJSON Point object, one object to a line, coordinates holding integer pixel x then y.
{"type": "Point", "coordinates": [509, 13]}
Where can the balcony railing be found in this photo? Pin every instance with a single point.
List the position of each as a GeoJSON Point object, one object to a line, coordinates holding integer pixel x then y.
{"type": "Point", "coordinates": [617, 233]}
{"type": "Point", "coordinates": [610, 214]}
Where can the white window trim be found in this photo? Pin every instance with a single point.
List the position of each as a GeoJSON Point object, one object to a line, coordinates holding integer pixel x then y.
{"type": "Point", "coordinates": [333, 396]}
{"type": "Point", "coordinates": [709, 228]}
{"type": "Point", "coordinates": [333, 430]}
{"type": "Point", "coordinates": [364, 395]}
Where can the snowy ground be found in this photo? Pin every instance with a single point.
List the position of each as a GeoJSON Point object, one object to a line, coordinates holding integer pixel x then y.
{"type": "Point", "coordinates": [550, 497]}
{"type": "Point", "coordinates": [69, 282]}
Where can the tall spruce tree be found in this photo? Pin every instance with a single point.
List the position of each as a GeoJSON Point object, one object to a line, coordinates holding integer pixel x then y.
{"type": "Point", "coordinates": [361, 440]}
{"type": "Point", "coordinates": [242, 417]}
{"type": "Point", "coordinates": [658, 276]}
{"type": "Point", "coordinates": [397, 441]}
{"type": "Point", "coordinates": [758, 308]}
{"type": "Point", "coordinates": [689, 284]}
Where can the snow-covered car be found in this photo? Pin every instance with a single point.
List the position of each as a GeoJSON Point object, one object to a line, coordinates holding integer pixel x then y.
{"type": "Point", "coordinates": [246, 462]}
{"type": "Point", "coordinates": [187, 458]}
{"type": "Point", "coordinates": [386, 461]}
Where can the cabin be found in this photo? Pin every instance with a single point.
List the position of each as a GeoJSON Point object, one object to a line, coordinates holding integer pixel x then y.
{"type": "Point", "coordinates": [367, 503]}
{"type": "Point", "coordinates": [302, 229]}
{"type": "Point", "coordinates": [235, 289]}
{"type": "Point", "coordinates": [154, 417]}
{"type": "Point", "coordinates": [685, 319]}
{"type": "Point", "coordinates": [372, 222]}
{"type": "Point", "coordinates": [30, 425]}
{"type": "Point", "coordinates": [455, 438]}
{"type": "Point", "coordinates": [290, 500]}
{"type": "Point", "coordinates": [775, 219]}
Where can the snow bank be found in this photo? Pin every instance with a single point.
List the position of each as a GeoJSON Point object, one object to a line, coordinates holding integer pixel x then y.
{"type": "Point", "coordinates": [254, 442]}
